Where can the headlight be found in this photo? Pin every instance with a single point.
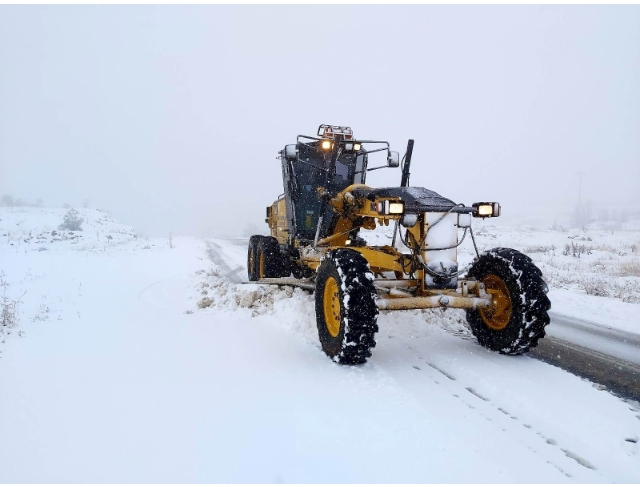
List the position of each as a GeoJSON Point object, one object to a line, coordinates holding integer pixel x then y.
{"type": "Point", "coordinates": [484, 210]}
{"type": "Point", "coordinates": [390, 207]}
{"type": "Point", "coordinates": [326, 144]}
{"type": "Point", "coordinates": [352, 147]}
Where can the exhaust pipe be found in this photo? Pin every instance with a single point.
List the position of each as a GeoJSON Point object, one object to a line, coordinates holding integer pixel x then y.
{"type": "Point", "coordinates": [404, 182]}
{"type": "Point", "coordinates": [407, 165]}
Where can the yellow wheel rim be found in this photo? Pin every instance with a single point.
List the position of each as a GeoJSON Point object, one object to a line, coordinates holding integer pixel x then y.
{"type": "Point", "coordinates": [331, 300]}
{"type": "Point", "coordinates": [261, 265]}
{"type": "Point", "coordinates": [497, 316]}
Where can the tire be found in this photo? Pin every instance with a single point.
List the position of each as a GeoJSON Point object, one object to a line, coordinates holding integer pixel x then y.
{"type": "Point", "coordinates": [346, 310]}
{"type": "Point", "coordinates": [252, 258]}
{"type": "Point", "coordinates": [517, 321]}
{"type": "Point", "coordinates": [269, 262]}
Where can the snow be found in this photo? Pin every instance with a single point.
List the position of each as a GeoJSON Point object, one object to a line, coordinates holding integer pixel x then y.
{"type": "Point", "coordinates": [607, 312]}
{"type": "Point", "coordinates": [120, 376]}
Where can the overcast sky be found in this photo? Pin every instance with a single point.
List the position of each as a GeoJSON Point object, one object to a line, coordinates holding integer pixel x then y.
{"type": "Point", "coordinates": [171, 117]}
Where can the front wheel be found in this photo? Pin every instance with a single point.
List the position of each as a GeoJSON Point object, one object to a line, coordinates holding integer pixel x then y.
{"type": "Point", "coordinates": [346, 310]}
{"type": "Point", "coordinates": [518, 315]}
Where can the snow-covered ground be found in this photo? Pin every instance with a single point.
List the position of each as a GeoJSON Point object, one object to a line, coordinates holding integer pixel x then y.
{"type": "Point", "coordinates": [135, 362]}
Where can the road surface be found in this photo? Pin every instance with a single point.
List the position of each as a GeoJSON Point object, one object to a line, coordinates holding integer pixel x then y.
{"type": "Point", "coordinates": [606, 356]}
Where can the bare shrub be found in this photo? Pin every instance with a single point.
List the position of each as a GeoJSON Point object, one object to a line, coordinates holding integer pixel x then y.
{"type": "Point", "coordinates": [540, 249]}
{"type": "Point", "coordinates": [9, 307]}
{"type": "Point", "coordinates": [576, 250]}
{"type": "Point", "coordinates": [599, 265]}
{"type": "Point", "coordinates": [595, 288]}
{"type": "Point", "coordinates": [629, 268]}
{"type": "Point", "coordinates": [9, 316]}
{"type": "Point", "coordinates": [605, 248]}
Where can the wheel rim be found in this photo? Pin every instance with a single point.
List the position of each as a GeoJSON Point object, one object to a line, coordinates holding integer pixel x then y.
{"type": "Point", "coordinates": [331, 300]}
{"type": "Point", "coordinates": [261, 265]}
{"type": "Point", "coordinates": [496, 316]}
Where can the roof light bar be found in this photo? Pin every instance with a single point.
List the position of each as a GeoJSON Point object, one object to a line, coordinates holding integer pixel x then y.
{"type": "Point", "coordinates": [330, 131]}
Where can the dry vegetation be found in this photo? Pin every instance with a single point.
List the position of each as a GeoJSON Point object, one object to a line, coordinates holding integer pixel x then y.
{"type": "Point", "coordinates": [597, 262]}
{"type": "Point", "coordinates": [629, 269]}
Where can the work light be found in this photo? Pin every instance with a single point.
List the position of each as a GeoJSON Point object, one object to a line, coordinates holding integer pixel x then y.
{"type": "Point", "coordinates": [390, 207]}
{"type": "Point", "coordinates": [351, 146]}
{"type": "Point", "coordinates": [484, 210]}
{"type": "Point", "coordinates": [326, 144]}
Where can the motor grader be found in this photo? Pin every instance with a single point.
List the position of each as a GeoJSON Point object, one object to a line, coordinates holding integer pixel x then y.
{"type": "Point", "coordinates": [316, 243]}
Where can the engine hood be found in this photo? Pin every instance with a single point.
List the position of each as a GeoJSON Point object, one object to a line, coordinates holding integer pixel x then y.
{"type": "Point", "coordinates": [416, 200]}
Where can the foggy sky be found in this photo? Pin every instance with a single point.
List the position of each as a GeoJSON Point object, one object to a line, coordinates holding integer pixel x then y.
{"type": "Point", "coordinates": [171, 117]}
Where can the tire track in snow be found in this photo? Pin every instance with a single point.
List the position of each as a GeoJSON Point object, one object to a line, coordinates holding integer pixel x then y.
{"type": "Point", "coordinates": [478, 404]}
{"type": "Point", "coordinates": [233, 275]}
{"type": "Point", "coordinates": [485, 407]}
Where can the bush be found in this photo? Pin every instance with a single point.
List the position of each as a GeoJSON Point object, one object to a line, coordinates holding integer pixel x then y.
{"type": "Point", "coordinates": [8, 200]}
{"type": "Point", "coordinates": [596, 287]}
{"type": "Point", "coordinates": [8, 307]}
{"type": "Point", "coordinates": [72, 221]}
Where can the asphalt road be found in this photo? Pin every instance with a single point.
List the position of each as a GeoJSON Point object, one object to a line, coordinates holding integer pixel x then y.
{"type": "Point", "coordinates": [606, 356]}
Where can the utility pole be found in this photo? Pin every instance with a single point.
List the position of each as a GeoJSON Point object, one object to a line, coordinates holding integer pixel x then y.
{"type": "Point", "coordinates": [580, 215]}
{"type": "Point", "coordinates": [580, 174]}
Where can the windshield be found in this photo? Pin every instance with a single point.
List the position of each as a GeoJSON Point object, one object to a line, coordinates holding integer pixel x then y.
{"type": "Point", "coordinates": [310, 172]}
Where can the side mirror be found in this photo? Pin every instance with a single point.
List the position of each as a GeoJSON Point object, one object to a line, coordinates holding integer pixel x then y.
{"type": "Point", "coordinates": [394, 159]}
{"type": "Point", "coordinates": [290, 152]}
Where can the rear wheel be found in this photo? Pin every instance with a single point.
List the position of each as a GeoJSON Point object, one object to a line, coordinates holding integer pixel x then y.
{"type": "Point", "coordinates": [346, 311]}
{"type": "Point", "coordinates": [516, 320]}
{"type": "Point", "coordinates": [252, 258]}
{"type": "Point", "coordinates": [269, 258]}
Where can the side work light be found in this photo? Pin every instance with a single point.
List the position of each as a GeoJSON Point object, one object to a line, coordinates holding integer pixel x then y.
{"type": "Point", "coordinates": [390, 207]}
{"type": "Point", "coordinates": [484, 210]}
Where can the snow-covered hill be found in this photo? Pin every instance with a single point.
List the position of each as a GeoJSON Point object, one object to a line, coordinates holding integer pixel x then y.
{"type": "Point", "coordinates": [136, 362]}
{"type": "Point", "coordinates": [28, 229]}
{"type": "Point", "coordinates": [31, 242]}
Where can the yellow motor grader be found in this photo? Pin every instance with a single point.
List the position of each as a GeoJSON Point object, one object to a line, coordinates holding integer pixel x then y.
{"type": "Point", "coordinates": [315, 243]}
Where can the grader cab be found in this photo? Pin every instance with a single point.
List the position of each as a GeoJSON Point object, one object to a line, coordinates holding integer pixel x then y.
{"type": "Point", "coordinates": [315, 243]}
